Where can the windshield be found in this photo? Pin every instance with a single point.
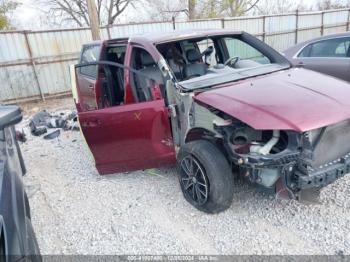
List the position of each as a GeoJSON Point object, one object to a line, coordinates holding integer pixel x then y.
{"type": "Point", "coordinates": [202, 62]}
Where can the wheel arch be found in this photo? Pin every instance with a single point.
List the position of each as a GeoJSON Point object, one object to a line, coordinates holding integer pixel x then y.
{"type": "Point", "coordinates": [200, 133]}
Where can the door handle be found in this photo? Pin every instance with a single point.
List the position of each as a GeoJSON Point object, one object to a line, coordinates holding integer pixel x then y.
{"type": "Point", "coordinates": [301, 64]}
{"type": "Point", "coordinates": [91, 87]}
{"type": "Point", "coordinates": [91, 123]}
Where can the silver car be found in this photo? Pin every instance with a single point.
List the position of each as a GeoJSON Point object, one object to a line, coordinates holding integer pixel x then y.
{"type": "Point", "coordinates": [328, 54]}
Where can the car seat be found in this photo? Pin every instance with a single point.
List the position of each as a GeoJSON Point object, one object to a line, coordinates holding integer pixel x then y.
{"type": "Point", "coordinates": [150, 69]}
{"type": "Point", "coordinates": [194, 68]}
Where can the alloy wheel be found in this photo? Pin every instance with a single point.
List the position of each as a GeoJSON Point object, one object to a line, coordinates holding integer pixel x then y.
{"type": "Point", "coordinates": [194, 180]}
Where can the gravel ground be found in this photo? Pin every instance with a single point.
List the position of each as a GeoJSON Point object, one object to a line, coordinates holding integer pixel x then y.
{"type": "Point", "coordinates": [76, 211]}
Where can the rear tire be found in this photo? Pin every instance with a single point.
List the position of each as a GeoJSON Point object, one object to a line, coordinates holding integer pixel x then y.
{"type": "Point", "coordinates": [205, 176]}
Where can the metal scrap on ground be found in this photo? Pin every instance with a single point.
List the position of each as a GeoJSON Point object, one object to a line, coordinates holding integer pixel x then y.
{"type": "Point", "coordinates": [43, 120]}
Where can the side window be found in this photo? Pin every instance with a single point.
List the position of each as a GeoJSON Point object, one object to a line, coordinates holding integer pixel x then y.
{"type": "Point", "coordinates": [148, 83]}
{"type": "Point", "coordinates": [327, 48]}
{"type": "Point", "coordinates": [116, 53]}
{"type": "Point", "coordinates": [305, 52]}
{"type": "Point", "coordinates": [342, 48]}
{"type": "Point", "coordinates": [244, 51]}
{"type": "Point", "coordinates": [90, 54]}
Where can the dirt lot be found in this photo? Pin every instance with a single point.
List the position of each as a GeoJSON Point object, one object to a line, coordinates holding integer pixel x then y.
{"type": "Point", "coordinates": [76, 211]}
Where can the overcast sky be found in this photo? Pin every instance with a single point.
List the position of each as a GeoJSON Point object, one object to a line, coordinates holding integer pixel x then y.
{"type": "Point", "coordinates": [29, 16]}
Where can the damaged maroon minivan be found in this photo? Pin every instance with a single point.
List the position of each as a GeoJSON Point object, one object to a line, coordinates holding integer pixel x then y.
{"type": "Point", "coordinates": [221, 104]}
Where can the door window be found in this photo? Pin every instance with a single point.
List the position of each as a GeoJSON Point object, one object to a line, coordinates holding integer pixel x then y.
{"type": "Point", "coordinates": [238, 48]}
{"type": "Point", "coordinates": [327, 48]}
{"type": "Point", "coordinates": [116, 53]}
{"type": "Point", "coordinates": [149, 83]}
{"type": "Point", "coordinates": [90, 54]}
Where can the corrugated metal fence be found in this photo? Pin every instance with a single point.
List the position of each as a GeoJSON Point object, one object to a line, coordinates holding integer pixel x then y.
{"type": "Point", "coordinates": [35, 64]}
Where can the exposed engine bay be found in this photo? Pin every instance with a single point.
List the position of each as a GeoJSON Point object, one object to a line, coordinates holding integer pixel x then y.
{"type": "Point", "coordinates": [276, 159]}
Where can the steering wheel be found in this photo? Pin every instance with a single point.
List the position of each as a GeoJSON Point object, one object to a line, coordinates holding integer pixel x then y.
{"type": "Point", "coordinates": [232, 61]}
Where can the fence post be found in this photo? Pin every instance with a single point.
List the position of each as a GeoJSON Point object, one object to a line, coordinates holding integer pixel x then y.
{"type": "Point", "coordinates": [322, 23]}
{"type": "Point", "coordinates": [30, 53]}
{"type": "Point", "coordinates": [223, 23]}
{"type": "Point", "coordinates": [264, 31]}
{"type": "Point", "coordinates": [296, 25]}
{"type": "Point", "coordinates": [173, 20]}
{"type": "Point", "coordinates": [348, 22]}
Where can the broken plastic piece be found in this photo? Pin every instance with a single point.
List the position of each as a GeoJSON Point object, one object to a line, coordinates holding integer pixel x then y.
{"type": "Point", "coordinates": [52, 135]}
{"type": "Point", "coordinates": [38, 131]}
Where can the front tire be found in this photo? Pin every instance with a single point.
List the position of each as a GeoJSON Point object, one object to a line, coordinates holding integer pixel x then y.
{"type": "Point", "coordinates": [205, 176]}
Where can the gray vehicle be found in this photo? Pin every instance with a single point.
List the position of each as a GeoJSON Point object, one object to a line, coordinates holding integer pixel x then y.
{"type": "Point", "coordinates": [17, 238]}
{"type": "Point", "coordinates": [328, 54]}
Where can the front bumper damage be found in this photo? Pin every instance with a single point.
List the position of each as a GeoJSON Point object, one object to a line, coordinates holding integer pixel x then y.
{"type": "Point", "coordinates": [311, 161]}
{"type": "Point", "coordinates": [324, 175]}
{"type": "Point", "coordinates": [289, 176]}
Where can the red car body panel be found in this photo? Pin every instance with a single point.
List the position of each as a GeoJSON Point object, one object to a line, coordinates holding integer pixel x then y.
{"type": "Point", "coordinates": [87, 93]}
{"type": "Point", "coordinates": [295, 99]}
{"type": "Point", "coordinates": [129, 137]}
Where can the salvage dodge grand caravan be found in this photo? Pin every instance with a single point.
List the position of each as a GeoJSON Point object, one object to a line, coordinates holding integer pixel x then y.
{"type": "Point", "coordinates": [221, 104]}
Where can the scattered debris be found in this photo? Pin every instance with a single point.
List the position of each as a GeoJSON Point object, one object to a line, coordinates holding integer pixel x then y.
{"type": "Point", "coordinates": [52, 135]}
{"type": "Point", "coordinates": [38, 131]}
{"type": "Point", "coordinates": [38, 123]}
{"type": "Point", "coordinates": [21, 136]}
{"type": "Point", "coordinates": [43, 120]}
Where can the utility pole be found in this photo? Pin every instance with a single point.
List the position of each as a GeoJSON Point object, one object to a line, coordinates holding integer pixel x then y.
{"type": "Point", "coordinates": [93, 17]}
{"type": "Point", "coordinates": [191, 9]}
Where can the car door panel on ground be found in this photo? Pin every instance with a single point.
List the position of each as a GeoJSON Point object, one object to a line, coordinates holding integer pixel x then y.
{"type": "Point", "coordinates": [128, 137]}
{"type": "Point", "coordinates": [327, 56]}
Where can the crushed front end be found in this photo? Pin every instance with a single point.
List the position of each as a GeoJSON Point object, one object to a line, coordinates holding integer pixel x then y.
{"type": "Point", "coordinates": [292, 163]}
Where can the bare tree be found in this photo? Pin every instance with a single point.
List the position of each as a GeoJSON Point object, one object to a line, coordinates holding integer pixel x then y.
{"type": "Point", "coordinates": [238, 7]}
{"type": "Point", "coordinates": [332, 4]}
{"type": "Point", "coordinates": [266, 7]}
{"type": "Point", "coordinates": [209, 9]}
{"type": "Point", "coordinates": [191, 9]}
{"type": "Point", "coordinates": [222, 8]}
{"type": "Point", "coordinates": [164, 10]}
{"type": "Point", "coordinates": [75, 11]}
{"type": "Point", "coordinates": [6, 7]}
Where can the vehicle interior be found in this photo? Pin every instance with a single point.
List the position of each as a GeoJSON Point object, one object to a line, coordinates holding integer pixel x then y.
{"type": "Point", "coordinates": [113, 76]}
{"type": "Point", "coordinates": [195, 58]}
{"type": "Point", "coordinates": [148, 76]}
{"type": "Point", "coordinates": [210, 59]}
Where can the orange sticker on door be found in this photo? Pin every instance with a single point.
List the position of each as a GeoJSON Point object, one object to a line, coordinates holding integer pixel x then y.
{"type": "Point", "coordinates": [137, 115]}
